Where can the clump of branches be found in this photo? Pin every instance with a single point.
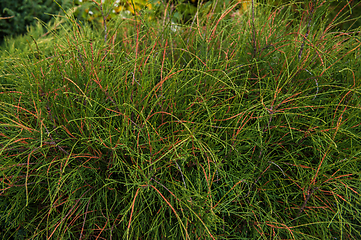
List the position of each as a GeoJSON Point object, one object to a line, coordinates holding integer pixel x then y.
{"type": "Point", "coordinates": [236, 126]}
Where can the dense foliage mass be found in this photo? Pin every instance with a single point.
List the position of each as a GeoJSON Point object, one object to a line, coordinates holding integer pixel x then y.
{"type": "Point", "coordinates": [242, 124]}
{"type": "Point", "coordinates": [16, 16]}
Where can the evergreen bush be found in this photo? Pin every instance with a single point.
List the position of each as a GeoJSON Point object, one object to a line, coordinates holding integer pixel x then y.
{"type": "Point", "coordinates": [238, 126]}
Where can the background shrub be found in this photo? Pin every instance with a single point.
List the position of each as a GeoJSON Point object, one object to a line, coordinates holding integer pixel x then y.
{"type": "Point", "coordinates": [180, 11]}
{"type": "Point", "coordinates": [18, 15]}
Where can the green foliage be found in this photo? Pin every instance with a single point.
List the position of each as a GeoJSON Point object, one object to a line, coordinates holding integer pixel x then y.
{"type": "Point", "coordinates": [91, 11]}
{"type": "Point", "coordinates": [185, 11]}
{"type": "Point", "coordinates": [16, 16]}
{"type": "Point", "coordinates": [348, 12]}
{"type": "Point", "coordinates": [232, 127]}
{"type": "Point", "coordinates": [180, 12]}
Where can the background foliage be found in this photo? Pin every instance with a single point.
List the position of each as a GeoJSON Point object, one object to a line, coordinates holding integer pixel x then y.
{"type": "Point", "coordinates": [18, 15]}
{"type": "Point", "coordinates": [179, 11]}
{"type": "Point", "coordinates": [183, 11]}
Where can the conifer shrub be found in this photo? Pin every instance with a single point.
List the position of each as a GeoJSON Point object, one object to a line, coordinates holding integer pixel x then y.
{"type": "Point", "coordinates": [238, 126]}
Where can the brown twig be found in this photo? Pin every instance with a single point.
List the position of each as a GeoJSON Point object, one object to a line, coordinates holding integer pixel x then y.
{"type": "Point", "coordinates": [6, 17]}
{"type": "Point", "coordinates": [86, 212]}
{"type": "Point", "coordinates": [306, 200]}
{"type": "Point", "coordinates": [54, 143]}
{"type": "Point", "coordinates": [310, 16]}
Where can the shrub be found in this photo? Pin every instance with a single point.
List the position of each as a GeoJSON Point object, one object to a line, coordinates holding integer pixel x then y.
{"type": "Point", "coordinates": [232, 128]}
{"type": "Point", "coordinates": [16, 16]}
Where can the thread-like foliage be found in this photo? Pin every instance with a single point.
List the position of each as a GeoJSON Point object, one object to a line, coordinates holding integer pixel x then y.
{"type": "Point", "coordinates": [240, 126]}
